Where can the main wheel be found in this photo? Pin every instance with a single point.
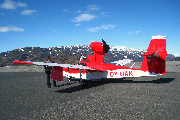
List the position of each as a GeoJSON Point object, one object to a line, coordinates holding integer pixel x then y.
{"type": "Point", "coordinates": [70, 78]}
{"type": "Point", "coordinates": [84, 83]}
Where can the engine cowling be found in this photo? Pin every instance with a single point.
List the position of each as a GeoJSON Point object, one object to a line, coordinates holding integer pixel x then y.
{"type": "Point", "coordinates": [100, 47]}
{"type": "Point", "coordinates": [99, 51]}
{"type": "Point", "coordinates": [97, 47]}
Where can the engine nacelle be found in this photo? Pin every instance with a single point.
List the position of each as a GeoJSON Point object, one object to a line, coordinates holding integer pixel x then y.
{"type": "Point", "coordinates": [97, 47]}
{"type": "Point", "coordinates": [99, 51]}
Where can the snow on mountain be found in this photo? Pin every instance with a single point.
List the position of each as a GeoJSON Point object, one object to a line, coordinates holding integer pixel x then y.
{"type": "Point", "coordinates": [176, 55]}
{"type": "Point", "coordinates": [112, 48]}
{"type": "Point", "coordinates": [122, 48]}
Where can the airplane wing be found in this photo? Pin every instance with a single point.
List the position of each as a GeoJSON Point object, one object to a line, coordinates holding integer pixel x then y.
{"type": "Point", "coordinates": [122, 62]}
{"type": "Point", "coordinates": [52, 64]}
{"type": "Point", "coordinates": [57, 70]}
{"type": "Point", "coordinates": [90, 66]}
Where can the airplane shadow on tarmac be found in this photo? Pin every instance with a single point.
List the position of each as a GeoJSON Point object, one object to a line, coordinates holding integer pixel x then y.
{"type": "Point", "coordinates": [92, 84]}
{"type": "Point", "coordinates": [158, 81]}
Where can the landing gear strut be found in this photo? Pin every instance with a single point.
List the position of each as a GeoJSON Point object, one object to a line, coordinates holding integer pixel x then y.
{"type": "Point", "coordinates": [84, 83]}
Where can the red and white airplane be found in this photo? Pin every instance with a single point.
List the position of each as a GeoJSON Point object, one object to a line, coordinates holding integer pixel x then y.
{"type": "Point", "coordinates": [93, 68]}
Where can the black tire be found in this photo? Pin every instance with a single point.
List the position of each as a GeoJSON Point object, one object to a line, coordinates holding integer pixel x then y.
{"type": "Point", "coordinates": [70, 78]}
{"type": "Point", "coordinates": [84, 83]}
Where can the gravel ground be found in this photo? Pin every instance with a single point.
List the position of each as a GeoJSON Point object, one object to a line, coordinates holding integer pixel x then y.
{"type": "Point", "coordinates": [31, 68]}
{"type": "Point", "coordinates": [24, 95]}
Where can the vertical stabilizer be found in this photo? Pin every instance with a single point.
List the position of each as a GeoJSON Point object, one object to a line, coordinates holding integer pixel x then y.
{"type": "Point", "coordinates": [155, 57]}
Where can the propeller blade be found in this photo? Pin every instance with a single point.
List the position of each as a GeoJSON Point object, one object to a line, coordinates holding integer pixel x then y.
{"type": "Point", "coordinates": [105, 46]}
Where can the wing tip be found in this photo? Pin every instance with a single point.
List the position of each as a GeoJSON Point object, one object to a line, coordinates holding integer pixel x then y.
{"type": "Point", "coordinates": [22, 62]}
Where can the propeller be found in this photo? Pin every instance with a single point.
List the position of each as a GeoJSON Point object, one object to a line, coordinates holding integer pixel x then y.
{"type": "Point", "coordinates": [105, 46]}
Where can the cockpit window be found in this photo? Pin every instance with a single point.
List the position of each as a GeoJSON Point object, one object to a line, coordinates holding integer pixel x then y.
{"type": "Point", "coordinates": [85, 60]}
{"type": "Point", "coordinates": [83, 64]}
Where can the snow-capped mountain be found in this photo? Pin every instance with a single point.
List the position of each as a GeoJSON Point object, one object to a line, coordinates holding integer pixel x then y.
{"type": "Point", "coordinates": [70, 54]}
{"type": "Point", "coordinates": [122, 48]}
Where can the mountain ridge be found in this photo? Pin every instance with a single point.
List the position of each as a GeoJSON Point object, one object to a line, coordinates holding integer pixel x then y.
{"type": "Point", "coordinates": [70, 54]}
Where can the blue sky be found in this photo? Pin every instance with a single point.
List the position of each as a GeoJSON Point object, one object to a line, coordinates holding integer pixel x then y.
{"type": "Point", "coordinates": [51, 23]}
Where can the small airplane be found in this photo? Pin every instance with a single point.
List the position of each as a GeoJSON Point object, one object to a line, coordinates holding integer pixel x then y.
{"type": "Point", "coordinates": [93, 68]}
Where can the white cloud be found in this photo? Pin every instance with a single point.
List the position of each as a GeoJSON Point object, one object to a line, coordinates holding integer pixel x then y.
{"type": "Point", "coordinates": [138, 31]}
{"type": "Point", "coordinates": [79, 11]}
{"type": "Point", "coordinates": [131, 32]}
{"type": "Point", "coordinates": [93, 29]}
{"type": "Point", "coordinates": [93, 7]}
{"type": "Point", "coordinates": [27, 12]}
{"type": "Point", "coordinates": [134, 32]}
{"type": "Point", "coordinates": [108, 26]}
{"type": "Point", "coordinates": [4, 29]}
{"type": "Point", "coordinates": [11, 28]}
{"type": "Point", "coordinates": [77, 25]}
{"type": "Point", "coordinates": [10, 4]}
{"type": "Point", "coordinates": [104, 13]}
{"type": "Point", "coordinates": [19, 4]}
{"type": "Point", "coordinates": [83, 17]}
{"type": "Point", "coordinates": [64, 10]}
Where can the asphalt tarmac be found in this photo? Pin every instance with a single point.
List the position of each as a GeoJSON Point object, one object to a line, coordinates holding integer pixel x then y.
{"type": "Point", "coordinates": [24, 95]}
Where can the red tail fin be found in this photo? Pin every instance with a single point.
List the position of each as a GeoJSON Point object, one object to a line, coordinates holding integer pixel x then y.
{"type": "Point", "coordinates": [155, 57]}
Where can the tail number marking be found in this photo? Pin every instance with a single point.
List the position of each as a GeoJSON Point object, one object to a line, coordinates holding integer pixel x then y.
{"type": "Point", "coordinates": [124, 73]}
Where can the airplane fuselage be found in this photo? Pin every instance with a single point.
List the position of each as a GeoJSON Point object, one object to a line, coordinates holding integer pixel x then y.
{"type": "Point", "coordinates": [104, 70]}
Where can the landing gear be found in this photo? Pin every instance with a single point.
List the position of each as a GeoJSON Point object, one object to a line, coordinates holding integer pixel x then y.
{"type": "Point", "coordinates": [84, 83]}
{"type": "Point", "coordinates": [69, 79]}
